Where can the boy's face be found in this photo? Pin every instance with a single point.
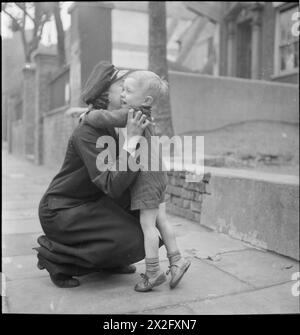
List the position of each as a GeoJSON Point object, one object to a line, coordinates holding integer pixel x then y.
{"type": "Point", "coordinates": [133, 93]}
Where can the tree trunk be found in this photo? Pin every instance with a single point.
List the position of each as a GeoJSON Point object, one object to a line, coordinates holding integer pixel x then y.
{"type": "Point", "coordinates": [157, 54]}
{"type": "Point", "coordinates": [25, 46]}
{"type": "Point", "coordinates": [60, 35]}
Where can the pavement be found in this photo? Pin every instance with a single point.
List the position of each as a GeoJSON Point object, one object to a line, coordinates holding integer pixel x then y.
{"type": "Point", "coordinates": [227, 276]}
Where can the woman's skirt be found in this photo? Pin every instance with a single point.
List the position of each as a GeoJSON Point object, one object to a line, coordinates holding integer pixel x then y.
{"type": "Point", "coordinates": [86, 238]}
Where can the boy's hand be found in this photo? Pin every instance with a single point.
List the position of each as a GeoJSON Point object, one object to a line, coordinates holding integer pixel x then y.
{"type": "Point", "coordinates": [136, 125]}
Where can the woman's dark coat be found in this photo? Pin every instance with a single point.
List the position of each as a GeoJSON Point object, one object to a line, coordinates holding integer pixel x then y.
{"type": "Point", "coordinates": [85, 213]}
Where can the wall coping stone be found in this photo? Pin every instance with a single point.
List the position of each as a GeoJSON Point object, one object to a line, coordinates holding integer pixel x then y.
{"type": "Point", "coordinates": [239, 173]}
{"type": "Point", "coordinates": [240, 80]}
{"type": "Point", "coordinates": [275, 178]}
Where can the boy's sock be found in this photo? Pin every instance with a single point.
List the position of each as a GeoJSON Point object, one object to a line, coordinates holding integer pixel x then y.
{"type": "Point", "coordinates": [174, 257]}
{"type": "Point", "coordinates": [152, 266]}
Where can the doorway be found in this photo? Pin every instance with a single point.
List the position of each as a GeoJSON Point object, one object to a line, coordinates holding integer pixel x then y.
{"type": "Point", "coordinates": [244, 34]}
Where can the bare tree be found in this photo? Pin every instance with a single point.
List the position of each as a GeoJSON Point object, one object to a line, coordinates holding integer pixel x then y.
{"type": "Point", "coordinates": [157, 54]}
{"type": "Point", "coordinates": [19, 12]}
{"type": "Point", "coordinates": [60, 34]}
{"type": "Point", "coordinates": [38, 13]}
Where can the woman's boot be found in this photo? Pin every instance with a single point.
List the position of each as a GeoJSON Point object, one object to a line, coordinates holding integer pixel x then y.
{"type": "Point", "coordinates": [64, 281]}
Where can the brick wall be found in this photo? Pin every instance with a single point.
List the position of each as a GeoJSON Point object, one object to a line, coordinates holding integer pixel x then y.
{"type": "Point", "coordinates": [29, 96]}
{"type": "Point", "coordinates": [17, 138]}
{"type": "Point", "coordinates": [185, 198]}
{"type": "Point", "coordinates": [46, 67]}
{"type": "Point", "coordinates": [57, 130]}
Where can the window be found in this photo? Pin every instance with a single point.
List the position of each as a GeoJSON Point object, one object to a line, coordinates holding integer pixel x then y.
{"type": "Point", "coordinates": [286, 44]}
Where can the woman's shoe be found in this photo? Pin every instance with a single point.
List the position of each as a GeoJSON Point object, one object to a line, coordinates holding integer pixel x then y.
{"type": "Point", "coordinates": [149, 282]}
{"type": "Point", "coordinates": [126, 269]}
{"type": "Point", "coordinates": [178, 269]}
{"type": "Point", "coordinates": [40, 266]}
{"type": "Point", "coordinates": [64, 281]}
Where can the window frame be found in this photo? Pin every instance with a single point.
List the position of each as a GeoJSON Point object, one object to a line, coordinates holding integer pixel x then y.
{"type": "Point", "coordinates": [277, 72]}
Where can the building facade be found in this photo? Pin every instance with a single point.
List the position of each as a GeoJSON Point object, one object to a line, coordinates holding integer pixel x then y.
{"type": "Point", "coordinates": [258, 41]}
{"type": "Point", "coordinates": [251, 40]}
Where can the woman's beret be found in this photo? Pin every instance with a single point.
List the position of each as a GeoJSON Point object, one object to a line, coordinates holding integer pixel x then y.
{"type": "Point", "coordinates": [98, 81]}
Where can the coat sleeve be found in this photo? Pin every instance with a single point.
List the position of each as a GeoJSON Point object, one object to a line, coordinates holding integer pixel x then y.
{"type": "Point", "coordinates": [101, 118]}
{"type": "Point", "coordinates": [112, 183]}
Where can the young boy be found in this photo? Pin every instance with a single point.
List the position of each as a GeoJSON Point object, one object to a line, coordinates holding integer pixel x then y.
{"type": "Point", "coordinates": [141, 91]}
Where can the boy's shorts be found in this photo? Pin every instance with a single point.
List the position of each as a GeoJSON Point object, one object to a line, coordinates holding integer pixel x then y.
{"type": "Point", "coordinates": [148, 191]}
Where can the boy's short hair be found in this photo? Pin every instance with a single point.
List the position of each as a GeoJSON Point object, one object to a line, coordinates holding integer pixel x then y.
{"type": "Point", "coordinates": [154, 86]}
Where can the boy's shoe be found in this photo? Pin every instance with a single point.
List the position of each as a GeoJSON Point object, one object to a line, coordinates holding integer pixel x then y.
{"type": "Point", "coordinates": [178, 269]}
{"type": "Point", "coordinates": [149, 282]}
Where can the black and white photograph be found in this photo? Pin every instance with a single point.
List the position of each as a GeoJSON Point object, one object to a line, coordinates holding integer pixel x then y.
{"type": "Point", "coordinates": [195, 103]}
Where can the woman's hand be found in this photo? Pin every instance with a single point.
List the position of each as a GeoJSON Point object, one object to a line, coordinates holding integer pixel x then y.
{"type": "Point", "coordinates": [136, 125]}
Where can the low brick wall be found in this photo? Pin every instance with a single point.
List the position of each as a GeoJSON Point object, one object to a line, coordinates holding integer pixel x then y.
{"type": "Point", "coordinates": [18, 138]}
{"type": "Point", "coordinates": [57, 129]}
{"type": "Point", "coordinates": [185, 198]}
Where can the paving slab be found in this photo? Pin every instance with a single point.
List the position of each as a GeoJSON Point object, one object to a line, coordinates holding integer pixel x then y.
{"type": "Point", "coordinates": [19, 196]}
{"type": "Point", "coordinates": [277, 299]}
{"type": "Point", "coordinates": [20, 205]}
{"type": "Point", "coordinates": [21, 267]}
{"type": "Point", "coordinates": [173, 310]}
{"type": "Point", "coordinates": [201, 242]}
{"type": "Point", "coordinates": [18, 244]}
{"type": "Point", "coordinates": [20, 226]}
{"type": "Point", "coordinates": [13, 185]}
{"type": "Point", "coordinates": [102, 293]}
{"type": "Point", "coordinates": [40, 179]}
{"type": "Point", "coordinates": [20, 214]}
{"type": "Point", "coordinates": [258, 268]}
